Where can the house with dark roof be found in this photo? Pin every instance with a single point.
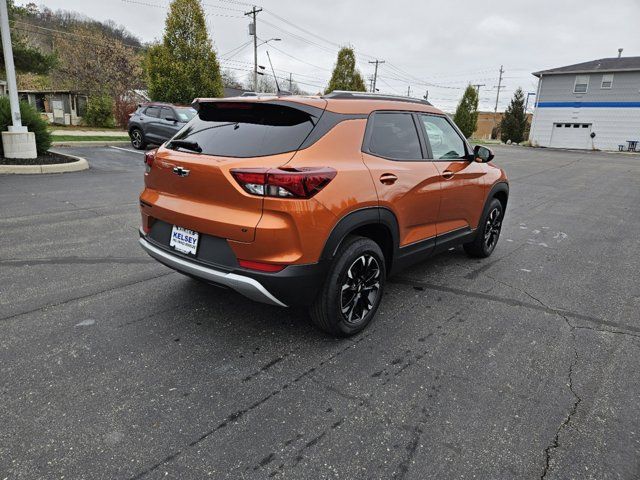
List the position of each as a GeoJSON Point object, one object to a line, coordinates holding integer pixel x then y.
{"type": "Point", "coordinates": [590, 105]}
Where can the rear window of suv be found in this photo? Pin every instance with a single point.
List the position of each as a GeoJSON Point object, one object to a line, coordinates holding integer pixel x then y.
{"type": "Point", "coordinates": [245, 129]}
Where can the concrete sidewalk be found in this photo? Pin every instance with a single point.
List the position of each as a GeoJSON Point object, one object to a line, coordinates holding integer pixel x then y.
{"type": "Point", "coordinates": [90, 133]}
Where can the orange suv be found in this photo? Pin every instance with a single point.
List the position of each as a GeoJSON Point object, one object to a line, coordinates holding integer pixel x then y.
{"type": "Point", "coordinates": [315, 201]}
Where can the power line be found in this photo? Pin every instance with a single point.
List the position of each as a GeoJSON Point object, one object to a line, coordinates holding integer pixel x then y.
{"type": "Point", "coordinates": [165, 7]}
{"type": "Point", "coordinates": [299, 60]}
{"type": "Point", "coordinates": [235, 51]}
{"type": "Point", "coordinates": [53, 31]}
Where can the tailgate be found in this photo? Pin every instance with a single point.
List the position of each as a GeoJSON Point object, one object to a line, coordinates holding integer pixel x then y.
{"type": "Point", "coordinates": [195, 189]}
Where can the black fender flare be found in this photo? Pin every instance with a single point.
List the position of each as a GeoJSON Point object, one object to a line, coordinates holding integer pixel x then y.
{"type": "Point", "coordinates": [133, 126]}
{"type": "Point", "coordinates": [360, 218]}
{"type": "Point", "coordinates": [498, 187]}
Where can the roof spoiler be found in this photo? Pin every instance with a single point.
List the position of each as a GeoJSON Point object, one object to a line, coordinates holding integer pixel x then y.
{"type": "Point", "coordinates": [344, 94]}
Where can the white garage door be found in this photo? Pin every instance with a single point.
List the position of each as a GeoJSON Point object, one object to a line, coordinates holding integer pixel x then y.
{"type": "Point", "coordinates": [571, 135]}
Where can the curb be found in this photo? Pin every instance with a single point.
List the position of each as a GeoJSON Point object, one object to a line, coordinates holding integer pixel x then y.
{"type": "Point", "coordinates": [79, 164]}
{"type": "Point", "coordinates": [92, 143]}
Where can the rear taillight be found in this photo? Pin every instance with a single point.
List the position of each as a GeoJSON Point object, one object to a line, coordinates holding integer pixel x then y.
{"type": "Point", "coordinates": [149, 158]}
{"type": "Point", "coordinates": [284, 183]}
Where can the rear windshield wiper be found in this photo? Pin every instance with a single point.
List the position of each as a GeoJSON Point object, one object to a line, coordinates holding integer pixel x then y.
{"type": "Point", "coordinates": [186, 144]}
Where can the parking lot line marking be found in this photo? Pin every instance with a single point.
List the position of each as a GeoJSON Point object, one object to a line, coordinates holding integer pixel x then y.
{"type": "Point", "coordinates": [126, 149]}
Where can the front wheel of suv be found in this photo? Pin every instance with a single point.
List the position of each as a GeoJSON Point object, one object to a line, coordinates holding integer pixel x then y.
{"type": "Point", "coordinates": [488, 231]}
{"type": "Point", "coordinates": [137, 139]}
{"type": "Point", "coordinates": [353, 289]}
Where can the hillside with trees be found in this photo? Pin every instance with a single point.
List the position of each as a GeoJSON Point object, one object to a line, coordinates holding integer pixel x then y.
{"type": "Point", "coordinates": [100, 59]}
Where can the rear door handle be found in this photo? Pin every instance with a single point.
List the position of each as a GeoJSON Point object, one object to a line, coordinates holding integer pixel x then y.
{"type": "Point", "coordinates": [388, 178]}
{"type": "Point", "coordinates": [447, 174]}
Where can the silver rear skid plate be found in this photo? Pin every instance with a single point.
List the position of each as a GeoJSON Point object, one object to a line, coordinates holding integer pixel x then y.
{"type": "Point", "coordinates": [246, 286]}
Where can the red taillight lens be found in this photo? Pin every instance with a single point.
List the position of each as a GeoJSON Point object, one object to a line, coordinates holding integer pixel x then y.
{"type": "Point", "coordinates": [149, 158]}
{"type": "Point", "coordinates": [260, 266]}
{"type": "Point", "coordinates": [284, 183]}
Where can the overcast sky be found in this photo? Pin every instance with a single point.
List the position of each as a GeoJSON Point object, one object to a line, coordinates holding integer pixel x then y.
{"type": "Point", "coordinates": [439, 46]}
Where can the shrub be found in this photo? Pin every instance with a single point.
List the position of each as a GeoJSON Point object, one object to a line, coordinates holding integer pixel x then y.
{"type": "Point", "coordinates": [123, 109]}
{"type": "Point", "coordinates": [99, 112]}
{"type": "Point", "coordinates": [31, 119]}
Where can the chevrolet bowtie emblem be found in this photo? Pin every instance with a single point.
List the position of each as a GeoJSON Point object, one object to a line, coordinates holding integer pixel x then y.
{"type": "Point", "coordinates": [181, 172]}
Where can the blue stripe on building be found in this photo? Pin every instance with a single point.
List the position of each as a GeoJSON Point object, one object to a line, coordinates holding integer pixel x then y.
{"type": "Point", "coordinates": [588, 105]}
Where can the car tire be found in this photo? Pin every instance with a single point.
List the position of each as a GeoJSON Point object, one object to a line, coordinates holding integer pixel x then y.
{"type": "Point", "coordinates": [488, 231]}
{"type": "Point", "coordinates": [353, 289]}
{"type": "Point", "coordinates": [137, 139]}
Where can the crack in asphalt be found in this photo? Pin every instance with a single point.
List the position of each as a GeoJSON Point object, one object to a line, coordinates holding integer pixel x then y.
{"type": "Point", "coordinates": [574, 407]}
{"type": "Point", "coordinates": [88, 295]}
{"type": "Point", "coordinates": [621, 328]}
{"type": "Point", "coordinates": [577, 399]}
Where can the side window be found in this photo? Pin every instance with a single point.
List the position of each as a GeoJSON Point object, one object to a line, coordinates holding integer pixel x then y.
{"type": "Point", "coordinates": [152, 111]}
{"type": "Point", "coordinates": [394, 136]}
{"type": "Point", "coordinates": [167, 113]}
{"type": "Point", "coordinates": [445, 142]}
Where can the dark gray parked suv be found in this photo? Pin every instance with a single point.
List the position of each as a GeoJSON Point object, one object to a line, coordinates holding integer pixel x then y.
{"type": "Point", "coordinates": [156, 123]}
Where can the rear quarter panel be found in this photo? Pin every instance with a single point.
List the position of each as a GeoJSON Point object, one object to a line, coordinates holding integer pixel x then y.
{"type": "Point", "coordinates": [295, 231]}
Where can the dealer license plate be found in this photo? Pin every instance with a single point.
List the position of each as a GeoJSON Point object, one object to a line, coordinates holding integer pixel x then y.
{"type": "Point", "coordinates": [184, 240]}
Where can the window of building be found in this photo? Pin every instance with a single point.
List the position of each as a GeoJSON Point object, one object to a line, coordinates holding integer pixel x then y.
{"type": "Point", "coordinates": [607, 81]}
{"type": "Point", "coordinates": [582, 84]}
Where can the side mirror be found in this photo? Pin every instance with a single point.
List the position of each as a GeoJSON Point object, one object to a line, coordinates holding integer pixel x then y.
{"type": "Point", "coordinates": [483, 154]}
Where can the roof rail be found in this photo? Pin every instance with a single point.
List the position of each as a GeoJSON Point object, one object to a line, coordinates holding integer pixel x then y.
{"type": "Point", "coordinates": [373, 96]}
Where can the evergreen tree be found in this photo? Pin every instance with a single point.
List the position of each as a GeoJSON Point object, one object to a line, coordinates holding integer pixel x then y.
{"type": "Point", "coordinates": [466, 116]}
{"type": "Point", "coordinates": [514, 122]}
{"type": "Point", "coordinates": [184, 66]}
{"type": "Point", "coordinates": [345, 75]}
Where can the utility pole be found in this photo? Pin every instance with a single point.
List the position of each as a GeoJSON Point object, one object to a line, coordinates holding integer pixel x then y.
{"type": "Point", "coordinates": [499, 87]}
{"type": "Point", "coordinates": [409, 91]}
{"type": "Point", "coordinates": [478, 85]}
{"type": "Point", "coordinates": [18, 142]}
{"type": "Point", "coordinates": [426, 96]}
{"type": "Point", "coordinates": [290, 81]}
{"type": "Point", "coordinates": [254, 31]}
{"type": "Point", "coordinates": [375, 74]}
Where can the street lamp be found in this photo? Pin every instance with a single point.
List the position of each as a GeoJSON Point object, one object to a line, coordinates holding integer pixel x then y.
{"type": "Point", "coordinates": [270, 40]}
{"type": "Point", "coordinates": [255, 58]}
{"type": "Point", "coordinates": [18, 142]}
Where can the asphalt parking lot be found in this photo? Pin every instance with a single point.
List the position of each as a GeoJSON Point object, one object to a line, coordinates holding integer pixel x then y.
{"type": "Point", "coordinates": [523, 365]}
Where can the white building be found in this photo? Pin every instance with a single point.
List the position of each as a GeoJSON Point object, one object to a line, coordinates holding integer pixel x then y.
{"type": "Point", "coordinates": [591, 105]}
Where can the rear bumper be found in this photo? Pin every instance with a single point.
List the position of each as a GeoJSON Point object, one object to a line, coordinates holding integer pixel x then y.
{"type": "Point", "coordinates": [248, 287]}
{"type": "Point", "coordinates": [295, 285]}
